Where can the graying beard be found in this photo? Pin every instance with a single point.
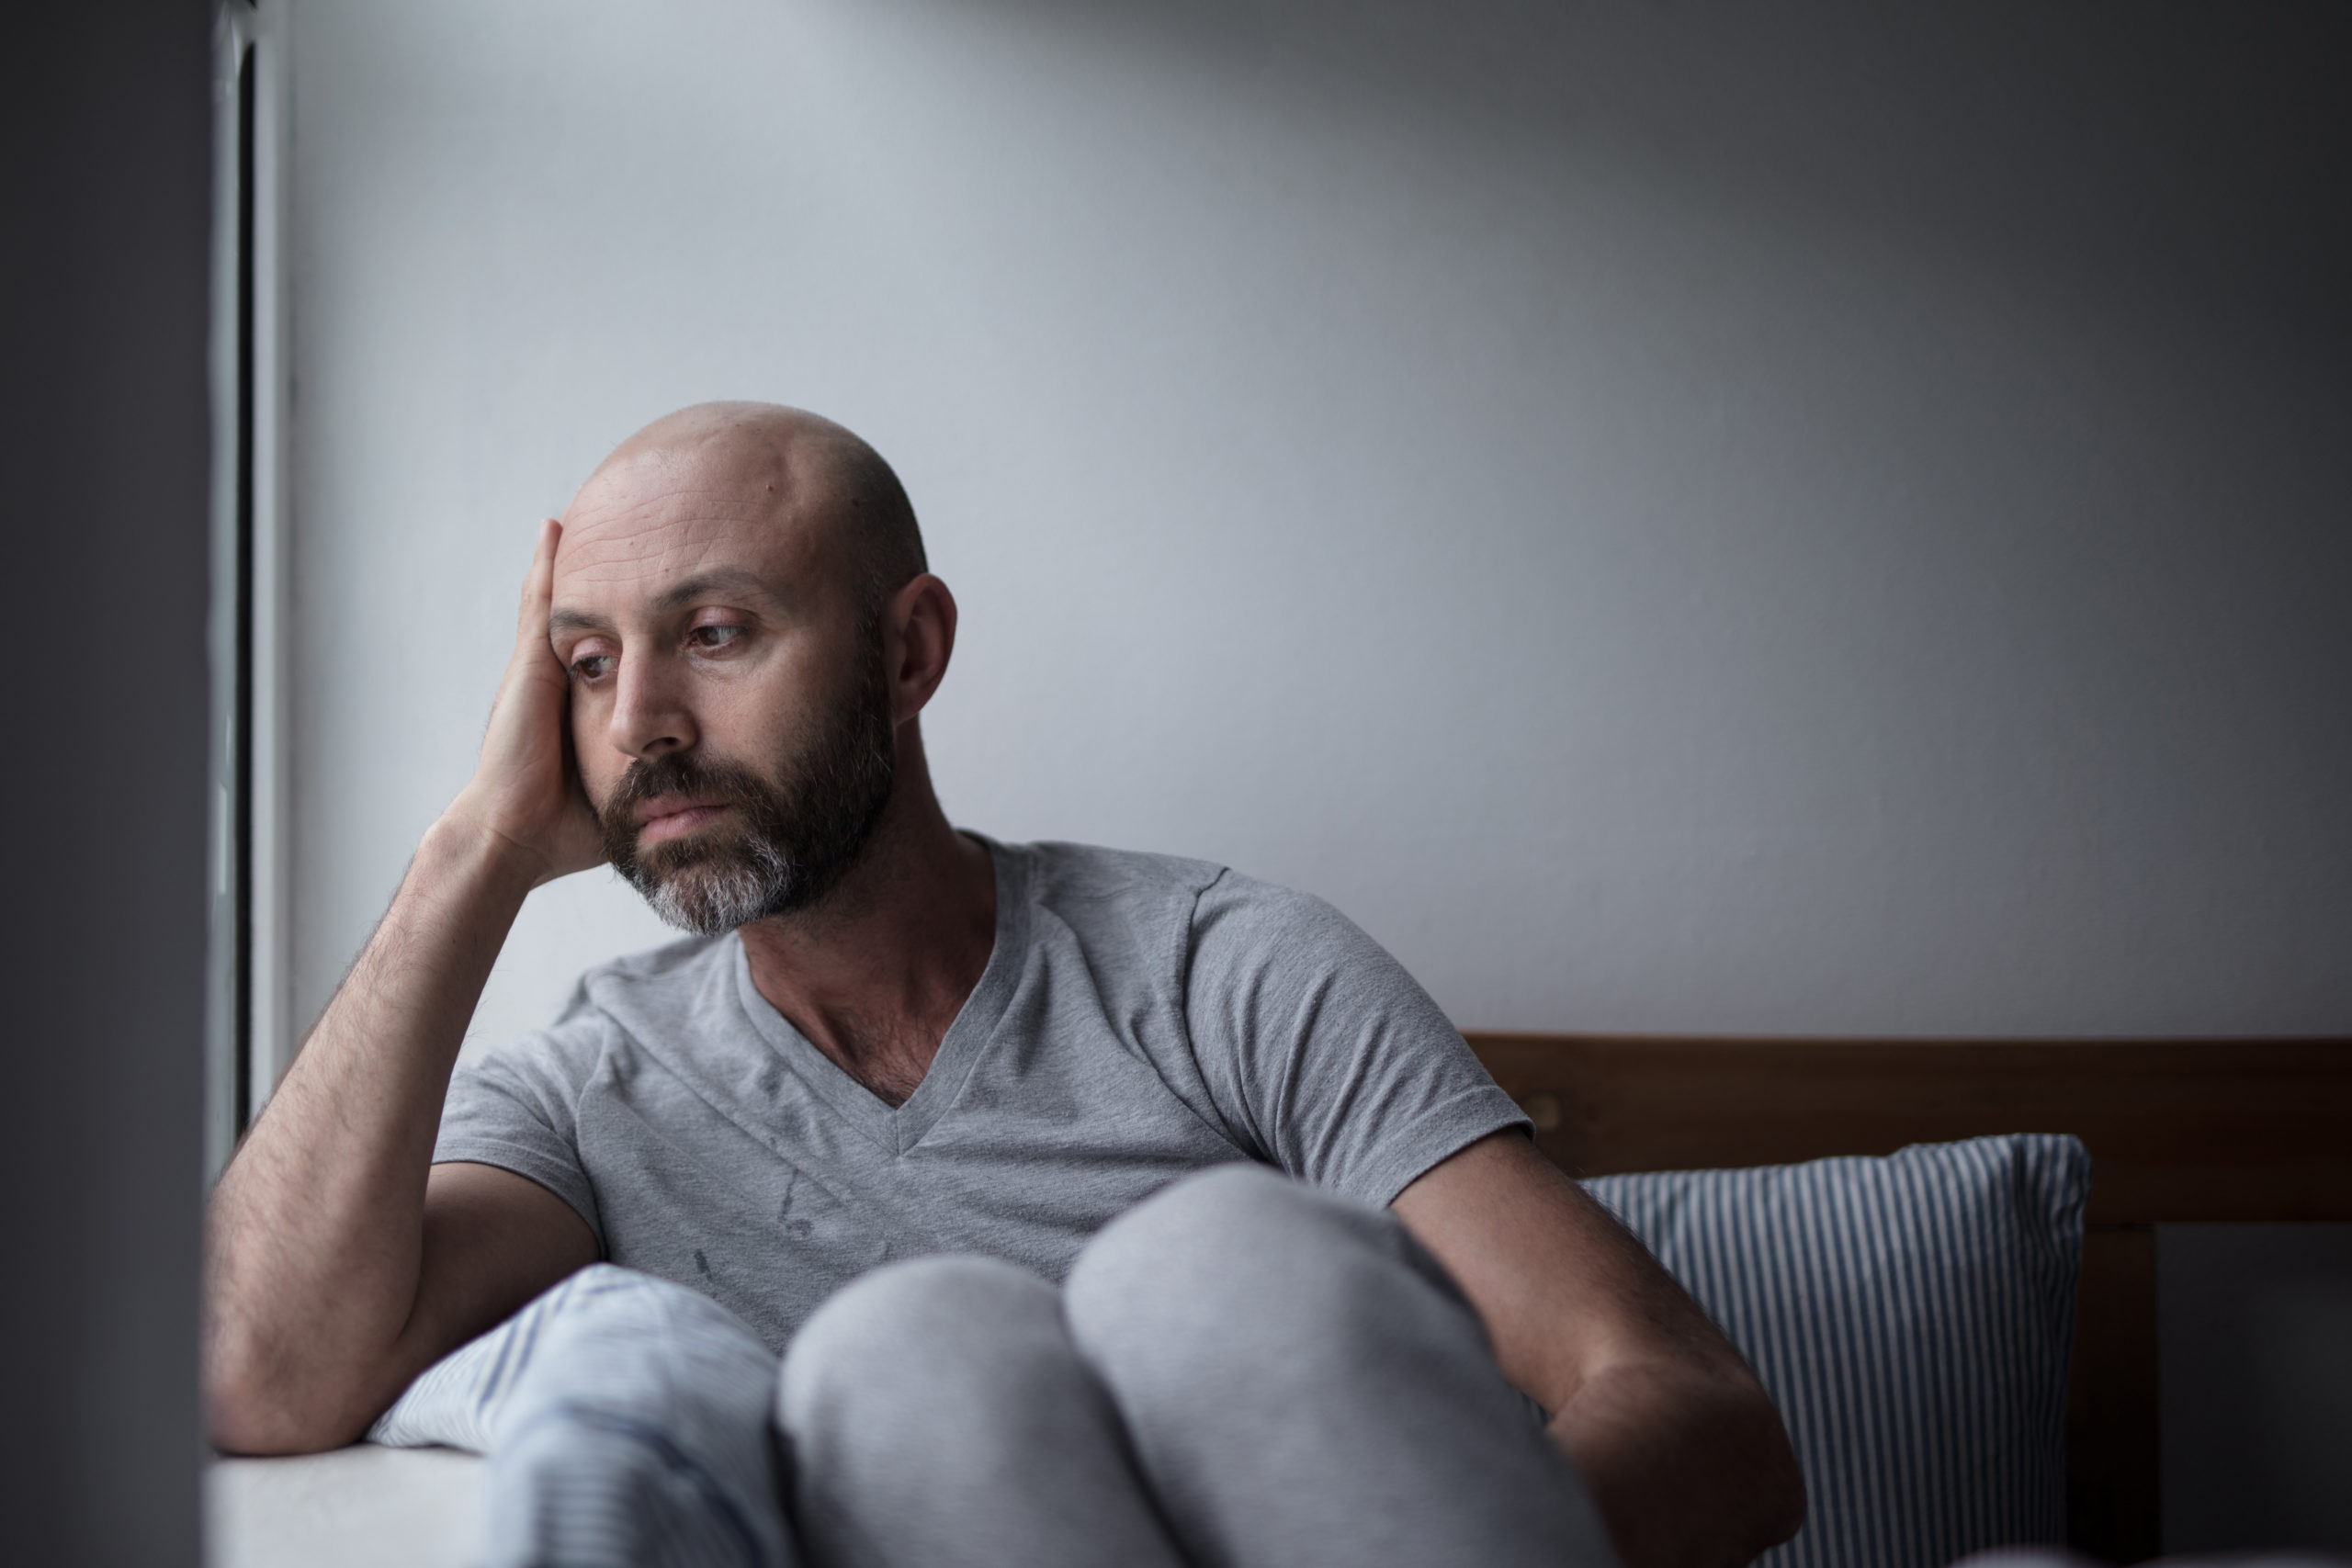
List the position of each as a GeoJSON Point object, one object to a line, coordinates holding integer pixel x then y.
{"type": "Point", "coordinates": [709, 900]}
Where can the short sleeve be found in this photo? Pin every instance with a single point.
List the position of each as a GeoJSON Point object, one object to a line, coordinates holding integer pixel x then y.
{"type": "Point", "coordinates": [1322, 1053]}
{"type": "Point", "coordinates": [515, 1108]}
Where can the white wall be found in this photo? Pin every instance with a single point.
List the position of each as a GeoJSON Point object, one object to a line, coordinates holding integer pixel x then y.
{"type": "Point", "coordinates": [1673, 525]}
{"type": "Point", "coordinates": [1677, 518]}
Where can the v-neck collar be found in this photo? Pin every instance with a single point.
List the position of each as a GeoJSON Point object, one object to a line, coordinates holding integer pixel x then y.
{"type": "Point", "coordinates": [900, 1128]}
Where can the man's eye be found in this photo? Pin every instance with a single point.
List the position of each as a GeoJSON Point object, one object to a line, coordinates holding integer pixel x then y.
{"type": "Point", "coordinates": [708, 637]}
{"type": "Point", "coordinates": [589, 666]}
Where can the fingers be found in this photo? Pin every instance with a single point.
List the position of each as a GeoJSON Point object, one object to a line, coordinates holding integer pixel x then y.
{"type": "Point", "coordinates": [538, 585]}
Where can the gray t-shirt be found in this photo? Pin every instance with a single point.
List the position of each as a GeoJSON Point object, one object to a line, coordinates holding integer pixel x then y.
{"type": "Point", "coordinates": [1140, 1017]}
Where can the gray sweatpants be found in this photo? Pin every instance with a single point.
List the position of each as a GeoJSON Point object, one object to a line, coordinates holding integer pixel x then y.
{"type": "Point", "coordinates": [1239, 1372]}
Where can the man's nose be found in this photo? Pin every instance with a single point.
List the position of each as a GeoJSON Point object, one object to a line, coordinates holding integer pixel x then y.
{"type": "Point", "coordinates": [649, 715]}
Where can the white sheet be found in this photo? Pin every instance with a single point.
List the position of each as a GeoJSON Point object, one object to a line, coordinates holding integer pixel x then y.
{"type": "Point", "coordinates": [358, 1508]}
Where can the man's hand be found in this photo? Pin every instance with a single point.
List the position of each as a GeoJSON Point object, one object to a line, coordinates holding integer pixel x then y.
{"type": "Point", "coordinates": [525, 790]}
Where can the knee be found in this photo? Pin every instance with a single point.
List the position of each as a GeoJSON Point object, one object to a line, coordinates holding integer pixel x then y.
{"type": "Point", "coordinates": [1242, 1254]}
{"type": "Point", "coordinates": [1225, 1207]}
{"type": "Point", "coordinates": [930, 1333]}
{"type": "Point", "coordinates": [1237, 1233]}
{"type": "Point", "coordinates": [912, 1308]}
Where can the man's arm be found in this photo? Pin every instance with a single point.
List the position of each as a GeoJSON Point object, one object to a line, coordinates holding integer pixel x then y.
{"type": "Point", "coordinates": [1678, 1443]}
{"type": "Point", "coordinates": [342, 1262]}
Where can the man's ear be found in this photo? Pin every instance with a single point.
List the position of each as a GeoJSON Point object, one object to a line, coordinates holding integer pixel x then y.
{"type": "Point", "coordinates": [921, 617]}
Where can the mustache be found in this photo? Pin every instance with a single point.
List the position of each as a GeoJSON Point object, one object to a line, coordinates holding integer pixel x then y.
{"type": "Point", "coordinates": [716, 780]}
{"type": "Point", "coordinates": [679, 773]}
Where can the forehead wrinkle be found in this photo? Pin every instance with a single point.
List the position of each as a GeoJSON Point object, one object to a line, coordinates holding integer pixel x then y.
{"type": "Point", "coordinates": [608, 559]}
{"type": "Point", "coordinates": [655, 537]}
{"type": "Point", "coordinates": [637, 518]}
{"type": "Point", "coordinates": [720, 580]}
{"type": "Point", "coordinates": [653, 570]}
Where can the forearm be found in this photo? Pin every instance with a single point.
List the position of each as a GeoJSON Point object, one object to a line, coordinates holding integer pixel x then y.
{"type": "Point", "coordinates": [316, 1227]}
{"type": "Point", "coordinates": [1689, 1466]}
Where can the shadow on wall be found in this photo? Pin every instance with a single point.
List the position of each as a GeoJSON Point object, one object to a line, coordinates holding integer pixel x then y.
{"type": "Point", "coordinates": [2161, 152]}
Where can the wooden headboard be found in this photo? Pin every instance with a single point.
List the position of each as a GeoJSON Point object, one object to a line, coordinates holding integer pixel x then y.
{"type": "Point", "coordinates": [2178, 1131]}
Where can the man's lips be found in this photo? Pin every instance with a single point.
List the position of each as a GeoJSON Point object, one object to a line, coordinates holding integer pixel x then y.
{"type": "Point", "coordinates": [671, 816]}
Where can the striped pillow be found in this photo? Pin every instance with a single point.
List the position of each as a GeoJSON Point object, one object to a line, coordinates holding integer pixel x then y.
{"type": "Point", "coordinates": [1911, 1316]}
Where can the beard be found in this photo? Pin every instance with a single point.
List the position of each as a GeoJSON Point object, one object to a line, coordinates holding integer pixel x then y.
{"type": "Point", "coordinates": [790, 838]}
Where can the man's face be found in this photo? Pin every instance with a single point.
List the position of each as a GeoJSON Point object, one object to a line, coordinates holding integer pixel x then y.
{"type": "Point", "coordinates": [730, 711]}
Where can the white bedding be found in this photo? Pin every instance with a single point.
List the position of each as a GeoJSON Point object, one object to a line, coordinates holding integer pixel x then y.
{"type": "Point", "coordinates": [356, 1508]}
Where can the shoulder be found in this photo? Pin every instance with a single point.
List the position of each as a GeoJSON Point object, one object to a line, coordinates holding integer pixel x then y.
{"type": "Point", "coordinates": [1082, 873]}
{"type": "Point", "coordinates": [1111, 898]}
{"type": "Point", "coordinates": [1207, 906]}
{"type": "Point", "coordinates": [1236, 903]}
{"type": "Point", "coordinates": [1225, 919]}
{"type": "Point", "coordinates": [1260, 940]}
{"type": "Point", "coordinates": [1066, 873]}
{"type": "Point", "coordinates": [1245, 925]}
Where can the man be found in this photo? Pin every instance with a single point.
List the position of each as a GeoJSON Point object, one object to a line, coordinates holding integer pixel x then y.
{"type": "Point", "coordinates": [923, 1113]}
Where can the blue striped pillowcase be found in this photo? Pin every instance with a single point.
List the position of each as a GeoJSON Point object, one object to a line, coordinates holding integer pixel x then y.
{"type": "Point", "coordinates": [1912, 1317]}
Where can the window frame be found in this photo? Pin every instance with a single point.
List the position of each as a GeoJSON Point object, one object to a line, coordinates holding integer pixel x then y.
{"type": "Point", "coordinates": [247, 1035]}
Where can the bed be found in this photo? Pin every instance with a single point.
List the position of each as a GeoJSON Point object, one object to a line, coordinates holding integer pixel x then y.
{"type": "Point", "coordinates": [2176, 1131]}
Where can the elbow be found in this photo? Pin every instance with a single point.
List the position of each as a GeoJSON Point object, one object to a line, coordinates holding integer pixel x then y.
{"type": "Point", "coordinates": [1653, 1436]}
{"type": "Point", "coordinates": [1782, 1512]}
{"type": "Point", "coordinates": [1763, 1490]}
{"type": "Point", "coordinates": [1780, 1501]}
{"type": "Point", "coordinates": [237, 1422]}
{"type": "Point", "coordinates": [254, 1408]}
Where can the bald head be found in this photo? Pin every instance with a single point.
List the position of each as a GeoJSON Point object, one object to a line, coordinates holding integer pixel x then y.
{"type": "Point", "coordinates": [739, 600]}
{"type": "Point", "coordinates": [787, 465]}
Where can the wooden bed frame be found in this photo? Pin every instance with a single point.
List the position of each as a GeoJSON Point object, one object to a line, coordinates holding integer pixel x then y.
{"type": "Point", "coordinates": [2180, 1132]}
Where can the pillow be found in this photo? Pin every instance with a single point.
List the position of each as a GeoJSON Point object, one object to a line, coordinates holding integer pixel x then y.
{"type": "Point", "coordinates": [1911, 1316]}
